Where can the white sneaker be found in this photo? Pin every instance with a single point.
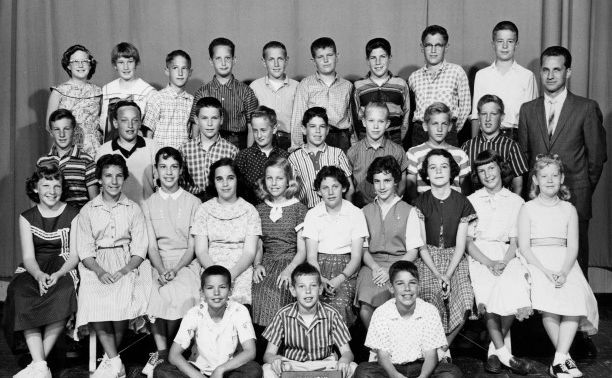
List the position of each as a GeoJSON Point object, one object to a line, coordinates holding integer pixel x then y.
{"type": "Point", "coordinates": [27, 372]}
{"type": "Point", "coordinates": [110, 368]}
{"type": "Point", "coordinates": [154, 360]}
{"type": "Point", "coordinates": [34, 370]}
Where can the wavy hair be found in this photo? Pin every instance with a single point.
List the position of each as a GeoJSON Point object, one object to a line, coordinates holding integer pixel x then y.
{"type": "Point", "coordinates": [543, 161]}
{"type": "Point", "coordinates": [294, 182]}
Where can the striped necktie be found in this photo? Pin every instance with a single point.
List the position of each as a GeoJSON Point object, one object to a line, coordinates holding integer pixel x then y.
{"type": "Point", "coordinates": [551, 118]}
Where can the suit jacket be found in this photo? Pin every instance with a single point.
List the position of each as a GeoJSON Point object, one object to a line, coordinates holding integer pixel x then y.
{"type": "Point", "coordinates": [579, 140]}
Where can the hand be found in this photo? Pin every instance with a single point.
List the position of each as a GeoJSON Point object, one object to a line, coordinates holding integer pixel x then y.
{"type": "Point", "coordinates": [284, 278]}
{"type": "Point", "coordinates": [445, 285]}
{"type": "Point", "coordinates": [550, 275]}
{"type": "Point", "coordinates": [343, 367]}
{"type": "Point", "coordinates": [217, 373]}
{"type": "Point", "coordinates": [169, 275]}
{"type": "Point", "coordinates": [499, 267]}
{"type": "Point", "coordinates": [560, 279]}
{"type": "Point", "coordinates": [333, 284]}
{"type": "Point", "coordinates": [42, 279]}
{"type": "Point", "coordinates": [162, 276]}
{"type": "Point", "coordinates": [380, 276]}
{"type": "Point", "coordinates": [118, 275]}
{"type": "Point", "coordinates": [105, 277]}
{"type": "Point", "coordinates": [277, 366]}
{"type": "Point", "coordinates": [52, 280]}
{"type": "Point", "coordinates": [259, 272]}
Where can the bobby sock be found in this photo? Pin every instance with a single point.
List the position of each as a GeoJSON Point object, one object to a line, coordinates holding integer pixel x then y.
{"type": "Point", "coordinates": [559, 358]}
{"type": "Point", "coordinates": [504, 355]}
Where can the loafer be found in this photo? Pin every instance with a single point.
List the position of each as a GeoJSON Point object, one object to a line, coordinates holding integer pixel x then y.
{"type": "Point", "coordinates": [493, 364]}
{"type": "Point", "coordinates": [519, 366]}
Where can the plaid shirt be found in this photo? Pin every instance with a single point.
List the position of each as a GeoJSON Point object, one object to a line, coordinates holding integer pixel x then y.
{"type": "Point", "coordinates": [168, 116]}
{"type": "Point", "coordinates": [506, 147]}
{"type": "Point", "coordinates": [238, 101]}
{"type": "Point", "coordinates": [198, 160]}
{"type": "Point", "coordinates": [449, 84]}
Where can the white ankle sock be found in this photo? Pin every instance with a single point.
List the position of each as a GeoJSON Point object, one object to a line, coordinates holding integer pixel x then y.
{"type": "Point", "coordinates": [559, 358]}
{"type": "Point", "coordinates": [508, 342]}
{"type": "Point", "coordinates": [40, 364]}
{"type": "Point", "coordinates": [491, 350]}
{"type": "Point", "coordinates": [504, 355]}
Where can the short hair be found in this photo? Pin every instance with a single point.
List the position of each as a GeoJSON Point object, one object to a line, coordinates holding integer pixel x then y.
{"type": "Point", "coordinates": [71, 50]}
{"type": "Point", "coordinates": [304, 269]}
{"type": "Point", "coordinates": [454, 167]}
{"type": "Point", "coordinates": [241, 189]}
{"type": "Point", "coordinates": [322, 43]}
{"type": "Point", "coordinates": [124, 104]}
{"type": "Point", "coordinates": [505, 25]}
{"type": "Point", "coordinates": [294, 182]}
{"type": "Point", "coordinates": [215, 270]}
{"type": "Point", "coordinates": [557, 51]}
{"type": "Point", "coordinates": [384, 164]}
{"type": "Point", "coordinates": [169, 152]}
{"type": "Point", "coordinates": [125, 50]}
{"type": "Point", "coordinates": [377, 43]}
{"type": "Point", "coordinates": [110, 160]}
{"type": "Point", "coordinates": [376, 105]}
{"type": "Point", "coordinates": [273, 45]}
{"type": "Point", "coordinates": [542, 161]}
{"type": "Point", "coordinates": [433, 30]}
{"type": "Point", "coordinates": [491, 156]}
{"type": "Point", "coordinates": [331, 171]}
{"type": "Point", "coordinates": [208, 102]}
{"type": "Point", "coordinates": [173, 54]}
{"type": "Point", "coordinates": [315, 111]}
{"type": "Point", "coordinates": [47, 171]}
{"type": "Point", "coordinates": [490, 98]}
{"type": "Point", "coordinates": [403, 266]}
{"type": "Point", "coordinates": [221, 41]}
{"type": "Point", "coordinates": [61, 114]}
{"type": "Point", "coordinates": [437, 108]}
{"type": "Point", "coordinates": [263, 111]}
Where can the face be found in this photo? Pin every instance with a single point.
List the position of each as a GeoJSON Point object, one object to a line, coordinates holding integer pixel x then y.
{"type": "Point", "coordinates": [405, 289]}
{"type": "Point", "coordinates": [384, 185]}
{"type": "Point", "coordinates": [128, 123]}
{"type": "Point", "coordinates": [209, 121]}
{"type": "Point", "coordinates": [554, 74]}
{"type": "Point", "coordinates": [216, 291]}
{"type": "Point", "coordinates": [548, 180]}
{"type": "Point", "coordinates": [49, 191]}
{"type": "Point", "coordinates": [316, 130]}
{"type": "Point", "coordinates": [275, 62]}
{"type": "Point", "coordinates": [306, 290]}
{"type": "Point", "coordinates": [79, 65]}
{"type": "Point", "coordinates": [490, 117]}
{"type": "Point", "coordinates": [111, 181]}
{"type": "Point", "coordinates": [438, 127]}
{"type": "Point", "coordinates": [378, 61]}
{"type": "Point", "coordinates": [276, 181]}
{"type": "Point", "coordinates": [263, 131]}
{"type": "Point", "coordinates": [226, 183]}
{"type": "Point", "coordinates": [178, 71]}
{"type": "Point", "coordinates": [490, 176]}
{"type": "Point", "coordinates": [325, 60]}
{"type": "Point", "coordinates": [62, 131]}
{"type": "Point", "coordinates": [331, 191]}
{"type": "Point", "coordinates": [505, 44]}
{"type": "Point", "coordinates": [126, 68]}
{"type": "Point", "coordinates": [434, 47]}
{"type": "Point", "coordinates": [223, 61]}
{"type": "Point", "coordinates": [376, 122]}
{"type": "Point", "coordinates": [438, 171]}
{"type": "Point", "coordinates": [168, 172]}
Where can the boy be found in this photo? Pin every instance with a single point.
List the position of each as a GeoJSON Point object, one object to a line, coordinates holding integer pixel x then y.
{"type": "Point", "coordinates": [437, 125]}
{"type": "Point", "coordinates": [405, 332]}
{"type": "Point", "coordinates": [237, 98]}
{"type": "Point", "coordinates": [276, 90]}
{"type": "Point", "coordinates": [251, 161]}
{"type": "Point", "coordinates": [222, 331]}
{"type": "Point", "coordinates": [381, 86]}
{"type": "Point", "coordinates": [200, 152]}
{"type": "Point", "coordinates": [491, 115]}
{"type": "Point", "coordinates": [139, 152]}
{"type": "Point", "coordinates": [307, 328]}
{"type": "Point", "coordinates": [328, 90]}
{"type": "Point", "coordinates": [167, 118]}
{"type": "Point", "coordinates": [438, 80]}
{"type": "Point", "coordinates": [78, 168]}
{"type": "Point", "coordinates": [505, 78]}
{"type": "Point", "coordinates": [308, 160]}
{"type": "Point", "coordinates": [375, 144]}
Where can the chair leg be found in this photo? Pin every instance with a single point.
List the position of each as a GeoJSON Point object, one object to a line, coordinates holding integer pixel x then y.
{"type": "Point", "coordinates": [92, 349]}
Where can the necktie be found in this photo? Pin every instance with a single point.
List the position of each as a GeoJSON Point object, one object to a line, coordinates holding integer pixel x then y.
{"type": "Point", "coordinates": [551, 119]}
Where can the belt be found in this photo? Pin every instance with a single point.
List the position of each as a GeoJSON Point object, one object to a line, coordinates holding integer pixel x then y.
{"type": "Point", "coordinates": [559, 242]}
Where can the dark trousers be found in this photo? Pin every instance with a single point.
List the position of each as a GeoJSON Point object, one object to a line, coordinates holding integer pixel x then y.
{"type": "Point", "coordinates": [249, 370]}
{"type": "Point", "coordinates": [583, 246]}
{"type": "Point", "coordinates": [340, 138]}
{"type": "Point", "coordinates": [283, 140]}
{"type": "Point", "coordinates": [419, 135]}
{"type": "Point", "coordinates": [237, 139]}
{"type": "Point", "coordinates": [410, 370]}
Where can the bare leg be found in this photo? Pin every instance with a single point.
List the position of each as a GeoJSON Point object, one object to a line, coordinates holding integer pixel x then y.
{"type": "Point", "coordinates": [567, 331]}
{"type": "Point", "coordinates": [451, 336]}
{"type": "Point", "coordinates": [106, 335]}
{"type": "Point", "coordinates": [365, 313]}
{"type": "Point", "coordinates": [34, 341]}
{"type": "Point", "coordinates": [494, 326]}
{"type": "Point", "coordinates": [52, 332]}
{"type": "Point", "coordinates": [119, 329]}
{"type": "Point", "coordinates": [551, 324]}
{"type": "Point", "coordinates": [172, 328]}
{"type": "Point", "coordinates": [160, 333]}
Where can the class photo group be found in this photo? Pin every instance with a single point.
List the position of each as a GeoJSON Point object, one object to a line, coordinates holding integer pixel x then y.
{"type": "Point", "coordinates": [249, 228]}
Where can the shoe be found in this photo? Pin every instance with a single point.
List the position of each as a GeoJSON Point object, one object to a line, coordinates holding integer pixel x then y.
{"type": "Point", "coordinates": [572, 368]}
{"type": "Point", "coordinates": [154, 360]}
{"type": "Point", "coordinates": [34, 371]}
{"type": "Point", "coordinates": [493, 364]}
{"type": "Point", "coordinates": [519, 366]}
{"type": "Point", "coordinates": [109, 369]}
{"type": "Point", "coordinates": [559, 371]}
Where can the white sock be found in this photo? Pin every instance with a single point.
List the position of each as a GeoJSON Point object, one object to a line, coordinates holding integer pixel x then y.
{"type": "Point", "coordinates": [491, 350]}
{"type": "Point", "coordinates": [508, 342]}
{"type": "Point", "coordinates": [559, 358]}
{"type": "Point", "coordinates": [116, 362]}
{"type": "Point", "coordinates": [40, 364]}
{"type": "Point", "coordinates": [504, 355]}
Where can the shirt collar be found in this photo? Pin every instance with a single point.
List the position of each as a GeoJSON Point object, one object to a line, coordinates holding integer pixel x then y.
{"type": "Point", "coordinates": [560, 99]}
{"type": "Point", "coordinates": [140, 142]}
{"type": "Point", "coordinates": [322, 148]}
{"type": "Point", "coordinates": [285, 81]}
{"type": "Point", "coordinates": [482, 139]}
{"type": "Point", "coordinates": [417, 314]}
{"type": "Point", "coordinates": [98, 201]}
{"type": "Point", "coordinates": [218, 84]}
{"type": "Point", "coordinates": [482, 193]}
{"type": "Point", "coordinates": [321, 210]}
{"type": "Point", "coordinates": [213, 143]}
{"type": "Point", "coordinates": [513, 67]}
{"type": "Point", "coordinates": [442, 67]}
{"type": "Point", "coordinates": [174, 195]}
{"type": "Point", "coordinates": [369, 76]}
{"type": "Point", "coordinates": [74, 152]}
{"type": "Point", "coordinates": [395, 200]}
{"type": "Point", "coordinates": [319, 314]}
{"type": "Point", "coordinates": [176, 92]}
{"type": "Point", "coordinates": [367, 144]}
{"type": "Point", "coordinates": [319, 78]}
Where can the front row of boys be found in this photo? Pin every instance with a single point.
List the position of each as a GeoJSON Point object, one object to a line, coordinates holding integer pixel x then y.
{"type": "Point", "coordinates": [404, 334]}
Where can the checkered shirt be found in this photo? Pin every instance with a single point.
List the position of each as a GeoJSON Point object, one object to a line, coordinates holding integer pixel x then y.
{"type": "Point", "coordinates": [198, 160]}
{"type": "Point", "coordinates": [168, 116]}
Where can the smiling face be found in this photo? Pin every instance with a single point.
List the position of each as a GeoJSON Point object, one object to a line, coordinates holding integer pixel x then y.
{"type": "Point", "coordinates": [62, 131]}
{"type": "Point", "coordinates": [111, 182]}
{"type": "Point", "coordinates": [223, 61]}
{"type": "Point", "coordinates": [216, 291]}
{"type": "Point", "coordinates": [263, 131]}
{"type": "Point", "coordinates": [438, 171]}
{"type": "Point", "coordinates": [126, 68]}
{"type": "Point", "coordinates": [178, 71]}
{"type": "Point", "coordinates": [315, 130]}
{"type": "Point", "coordinates": [276, 181]}
{"type": "Point", "coordinates": [554, 74]}
{"type": "Point", "coordinates": [226, 183]}
{"type": "Point", "coordinates": [331, 191]}
{"type": "Point", "coordinates": [168, 172]}
{"type": "Point", "coordinates": [275, 62]}
{"type": "Point", "coordinates": [378, 62]}
{"type": "Point", "coordinates": [127, 123]}
{"type": "Point", "coordinates": [306, 290]}
{"type": "Point", "coordinates": [405, 289]}
{"type": "Point", "coordinates": [376, 122]}
{"type": "Point", "coordinates": [384, 185]}
{"type": "Point", "coordinates": [549, 180]}
{"type": "Point", "coordinates": [490, 117]}
{"type": "Point", "coordinates": [79, 65]}
{"type": "Point", "coordinates": [490, 176]}
{"type": "Point", "coordinates": [504, 45]}
{"type": "Point", "coordinates": [434, 48]}
{"type": "Point", "coordinates": [209, 120]}
{"type": "Point", "coordinates": [438, 127]}
{"type": "Point", "coordinates": [325, 60]}
{"type": "Point", "coordinates": [49, 192]}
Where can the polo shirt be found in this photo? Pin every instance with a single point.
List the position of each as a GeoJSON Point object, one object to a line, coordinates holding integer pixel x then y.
{"type": "Point", "coordinates": [416, 156]}
{"type": "Point", "coordinates": [506, 147]}
{"type": "Point", "coordinates": [281, 99]}
{"type": "Point", "coordinates": [168, 116]}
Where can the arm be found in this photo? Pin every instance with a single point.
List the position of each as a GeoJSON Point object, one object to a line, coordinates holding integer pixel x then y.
{"type": "Point", "coordinates": [153, 252]}
{"type": "Point", "coordinates": [312, 252]}
{"type": "Point", "coordinates": [201, 251]}
{"type": "Point", "coordinates": [430, 362]}
{"type": "Point", "coordinates": [29, 256]}
{"type": "Point", "coordinates": [424, 252]}
{"type": "Point", "coordinates": [459, 248]}
{"type": "Point", "coordinates": [52, 105]}
{"type": "Point", "coordinates": [247, 257]}
{"type": "Point", "coordinates": [595, 142]}
{"type": "Point", "coordinates": [401, 187]}
{"type": "Point", "coordinates": [353, 265]}
{"type": "Point", "coordinates": [475, 127]}
{"type": "Point", "coordinates": [465, 100]}
{"type": "Point", "coordinates": [245, 355]}
{"type": "Point", "coordinates": [92, 191]}
{"type": "Point", "coordinates": [517, 185]}
{"type": "Point", "coordinates": [175, 357]}
{"type": "Point", "coordinates": [572, 248]}
{"type": "Point", "coordinates": [477, 254]}
{"type": "Point", "coordinates": [406, 109]}
{"type": "Point", "coordinates": [524, 237]}
{"type": "Point", "coordinates": [300, 103]}
{"type": "Point", "coordinates": [523, 132]}
{"type": "Point", "coordinates": [511, 252]}
{"type": "Point", "coordinates": [384, 360]}
{"type": "Point", "coordinates": [351, 190]}
{"type": "Point", "coordinates": [73, 258]}
{"type": "Point", "coordinates": [259, 271]}
{"type": "Point", "coordinates": [272, 357]}
{"type": "Point", "coordinates": [284, 278]}
{"type": "Point", "coordinates": [346, 357]}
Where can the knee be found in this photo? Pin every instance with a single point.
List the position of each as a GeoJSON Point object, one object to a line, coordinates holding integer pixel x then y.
{"type": "Point", "coordinates": [250, 370]}
{"type": "Point", "coordinates": [369, 370]}
{"type": "Point", "coordinates": [268, 372]}
{"type": "Point", "coordinates": [449, 371]}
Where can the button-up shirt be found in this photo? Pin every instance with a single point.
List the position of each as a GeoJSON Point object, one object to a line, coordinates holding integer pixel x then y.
{"type": "Point", "coordinates": [251, 162]}
{"type": "Point", "coordinates": [168, 116]}
{"type": "Point", "coordinates": [281, 99]}
{"type": "Point", "coordinates": [506, 147]}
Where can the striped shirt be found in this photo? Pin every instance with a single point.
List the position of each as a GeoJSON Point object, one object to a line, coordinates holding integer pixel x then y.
{"type": "Point", "coordinates": [79, 170]}
{"type": "Point", "coordinates": [336, 99]}
{"type": "Point", "coordinates": [238, 101]}
{"type": "Point", "coordinates": [506, 147]}
{"type": "Point", "coordinates": [307, 164]}
{"type": "Point", "coordinates": [281, 100]}
{"type": "Point", "coordinates": [307, 343]}
{"type": "Point", "coordinates": [417, 154]}
{"type": "Point", "coordinates": [449, 84]}
{"type": "Point", "coordinates": [168, 116]}
{"type": "Point", "coordinates": [198, 161]}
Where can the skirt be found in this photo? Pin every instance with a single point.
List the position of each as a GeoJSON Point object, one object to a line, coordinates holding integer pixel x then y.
{"type": "Point", "coordinates": [267, 297]}
{"type": "Point", "coordinates": [227, 255]}
{"type": "Point", "coordinates": [331, 266]}
{"type": "Point", "coordinates": [367, 291]}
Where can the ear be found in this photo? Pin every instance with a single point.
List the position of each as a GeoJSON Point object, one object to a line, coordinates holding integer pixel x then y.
{"type": "Point", "coordinates": [391, 289]}
{"type": "Point", "coordinates": [115, 123]}
{"type": "Point", "coordinates": [387, 123]}
{"type": "Point", "coordinates": [425, 127]}
{"type": "Point", "coordinates": [211, 62]}
{"type": "Point", "coordinates": [292, 290]}
{"type": "Point", "coordinates": [303, 130]}
{"type": "Point", "coordinates": [534, 179]}
{"type": "Point", "coordinates": [569, 73]}
{"type": "Point", "coordinates": [167, 71]}
{"type": "Point", "coordinates": [263, 61]}
{"type": "Point", "coordinates": [321, 288]}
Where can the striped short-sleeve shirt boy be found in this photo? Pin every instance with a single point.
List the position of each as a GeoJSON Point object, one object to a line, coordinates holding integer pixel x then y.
{"type": "Point", "coordinates": [416, 156]}
{"type": "Point", "coordinates": [506, 147]}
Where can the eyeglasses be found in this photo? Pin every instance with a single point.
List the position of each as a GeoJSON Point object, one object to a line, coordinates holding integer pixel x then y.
{"type": "Point", "coordinates": [84, 62]}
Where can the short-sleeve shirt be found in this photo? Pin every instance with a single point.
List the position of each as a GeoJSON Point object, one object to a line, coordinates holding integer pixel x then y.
{"type": "Point", "coordinates": [168, 116]}
{"type": "Point", "coordinates": [281, 99]}
{"type": "Point", "coordinates": [216, 341]}
{"type": "Point", "coordinates": [506, 147]}
{"type": "Point", "coordinates": [416, 156]}
{"type": "Point", "coordinates": [405, 339]}
{"type": "Point", "coordinates": [497, 215]}
{"type": "Point", "coordinates": [251, 162]}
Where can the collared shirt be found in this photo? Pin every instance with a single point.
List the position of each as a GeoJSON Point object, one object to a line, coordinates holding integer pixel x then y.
{"type": "Point", "coordinates": [449, 84]}
{"type": "Point", "coordinates": [302, 163]}
{"type": "Point", "coordinates": [307, 342]}
{"type": "Point", "coordinates": [198, 160]}
{"type": "Point", "coordinates": [416, 156]}
{"type": "Point", "coordinates": [506, 147]}
{"type": "Point", "coordinates": [251, 162]}
{"type": "Point", "coordinates": [336, 99]}
{"type": "Point", "coordinates": [497, 215]}
{"type": "Point", "coordinates": [79, 170]}
{"type": "Point", "coordinates": [412, 236]}
{"type": "Point", "coordinates": [138, 91]}
{"type": "Point", "coordinates": [514, 87]}
{"type": "Point", "coordinates": [216, 341]}
{"type": "Point", "coordinates": [405, 339]}
{"type": "Point", "coordinates": [335, 233]}
{"type": "Point", "coordinates": [362, 154]}
{"type": "Point", "coordinates": [238, 101]}
{"type": "Point", "coordinates": [555, 103]}
{"type": "Point", "coordinates": [281, 99]}
{"type": "Point", "coordinates": [168, 116]}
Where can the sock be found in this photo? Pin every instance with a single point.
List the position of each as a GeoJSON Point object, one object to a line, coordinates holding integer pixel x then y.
{"type": "Point", "coordinates": [559, 358]}
{"type": "Point", "coordinates": [491, 350]}
{"type": "Point", "coordinates": [504, 355]}
{"type": "Point", "coordinates": [508, 342]}
{"type": "Point", "coordinates": [116, 362]}
{"type": "Point", "coordinates": [40, 364]}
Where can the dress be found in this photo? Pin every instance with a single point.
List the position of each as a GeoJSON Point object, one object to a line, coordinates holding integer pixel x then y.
{"type": "Point", "coordinates": [83, 100]}
{"type": "Point", "coordinates": [227, 226]}
{"type": "Point", "coordinates": [25, 308]}
{"type": "Point", "coordinates": [575, 297]}
{"type": "Point", "coordinates": [442, 219]}
{"type": "Point", "coordinates": [169, 218]}
{"type": "Point", "coordinates": [279, 239]}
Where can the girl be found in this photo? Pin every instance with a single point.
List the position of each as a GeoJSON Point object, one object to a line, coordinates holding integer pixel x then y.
{"type": "Point", "coordinates": [282, 217]}
{"type": "Point", "coordinates": [115, 279]}
{"type": "Point", "coordinates": [335, 230]}
{"type": "Point", "coordinates": [498, 277]}
{"type": "Point", "coordinates": [169, 214]}
{"type": "Point", "coordinates": [41, 297]}
{"type": "Point", "coordinates": [395, 234]}
{"type": "Point", "coordinates": [548, 239]}
{"type": "Point", "coordinates": [80, 97]}
{"type": "Point", "coordinates": [444, 272]}
{"type": "Point", "coordinates": [227, 228]}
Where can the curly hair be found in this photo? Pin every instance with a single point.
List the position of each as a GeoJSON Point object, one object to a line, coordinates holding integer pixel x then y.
{"type": "Point", "coordinates": [110, 160]}
{"type": "Point", "coordinates": [543, 161]}
{"type": "Point", "coordinates": [171, 153]}
{"type": "Point", "coordinates": [491, 156]}
{"type": "Point", "coordinates": [454, 167]}
{"type": "Point", "coordinates": [71, 50]}
{"type": "Point", "coordinates": [384, 164]}
{"type": "Point", "coordinates": [294, 182]}
{"type": "Point", "coordinates": [47, 171]}
{"type": "Point", "coordinates": [333, 172]}
{"type": "Point", "coordinates": [241, 188]}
